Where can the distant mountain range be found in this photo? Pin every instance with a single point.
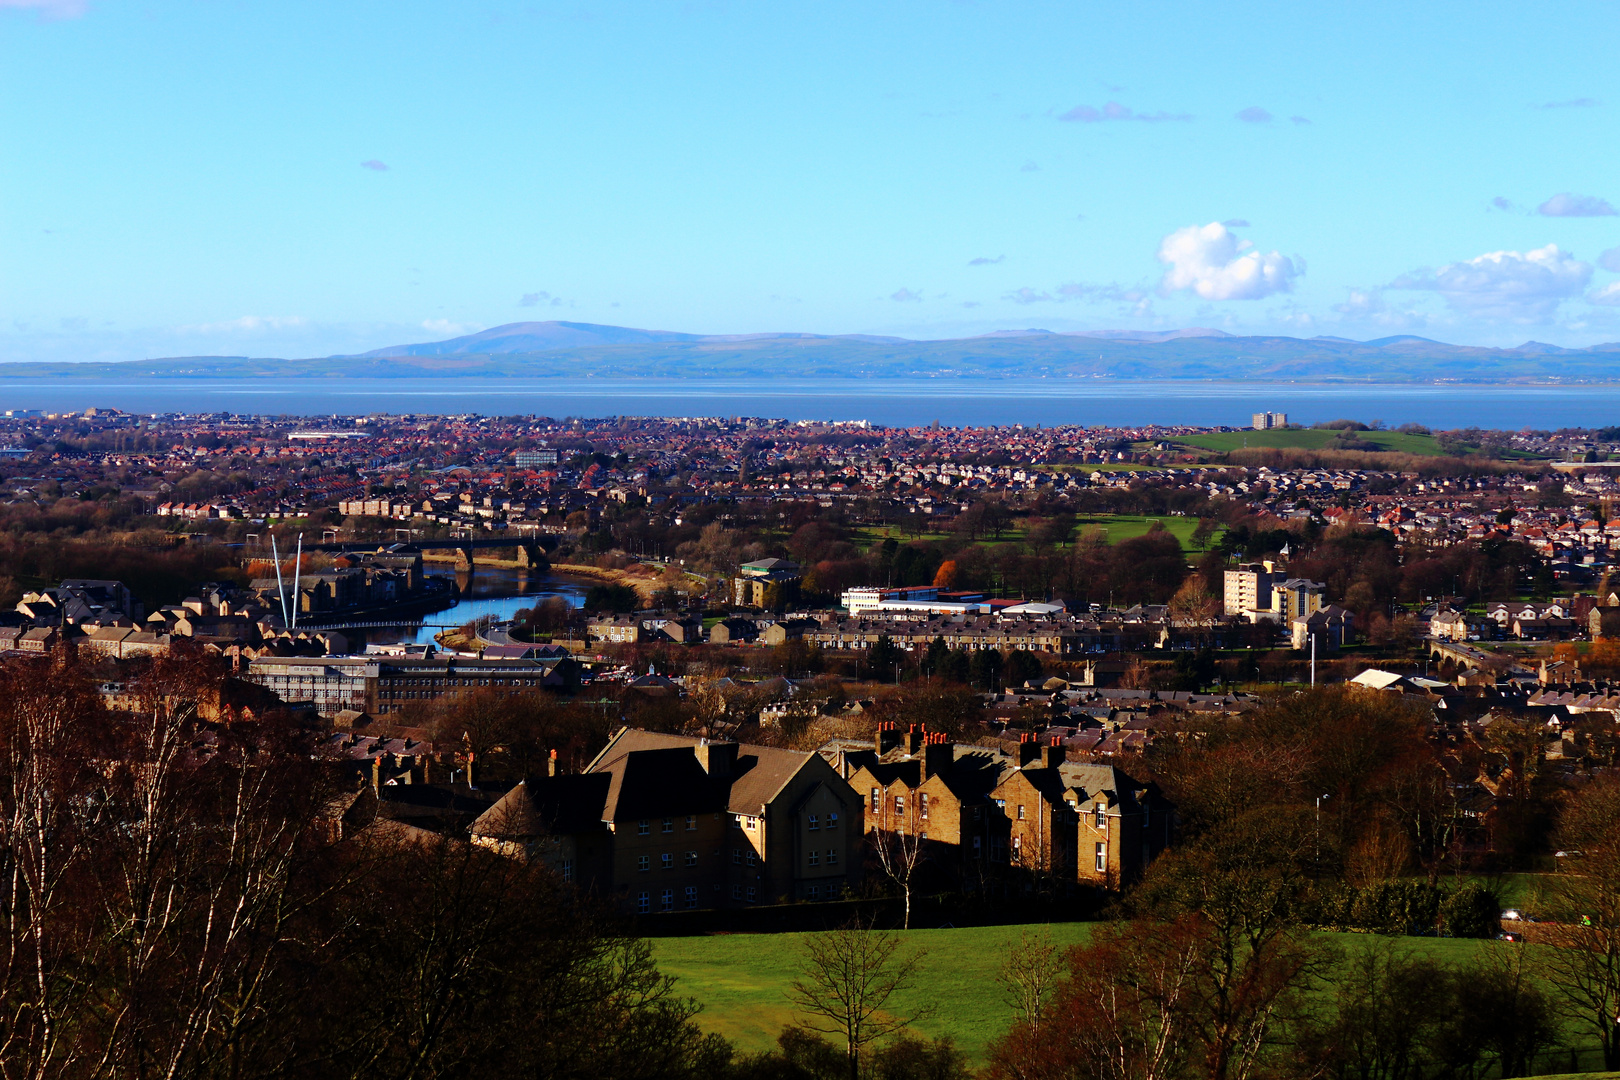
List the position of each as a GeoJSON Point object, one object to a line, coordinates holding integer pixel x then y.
{"type": "Point", "coordinates": [541, 349]}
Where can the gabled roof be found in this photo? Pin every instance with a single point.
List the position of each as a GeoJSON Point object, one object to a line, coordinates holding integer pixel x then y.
{"type": "Point", "coordinates": [546, 806]}
{"type": "Point", "coordinates": [760, 773]}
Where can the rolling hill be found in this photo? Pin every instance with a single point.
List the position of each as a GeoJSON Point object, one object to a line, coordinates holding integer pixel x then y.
{"type": "Point", "coordinates": [542, 349]}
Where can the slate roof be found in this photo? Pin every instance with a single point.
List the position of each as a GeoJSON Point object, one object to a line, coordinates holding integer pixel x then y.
{"type": "Point", "coordinates": [547, 805]}
{"type": "Point", "coordinates": [760, 773]}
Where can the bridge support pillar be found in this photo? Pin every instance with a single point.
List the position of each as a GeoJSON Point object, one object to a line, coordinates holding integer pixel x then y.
{"type": "Point", "coordinates": [464, 557]}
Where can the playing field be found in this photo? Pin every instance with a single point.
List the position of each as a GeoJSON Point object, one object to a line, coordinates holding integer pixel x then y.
{"type": "Point", "coordinates": [1311, 439]}
{"type": "Point", "coordinates": [1116, 527]}
{"type": "Point", "coordinates": [742, 979]}
{"type": "Point", "coordinates": [1119, 527]}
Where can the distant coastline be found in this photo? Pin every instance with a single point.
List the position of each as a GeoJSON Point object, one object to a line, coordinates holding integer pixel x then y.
{"type": "Point", "coordinates": [546, 351]}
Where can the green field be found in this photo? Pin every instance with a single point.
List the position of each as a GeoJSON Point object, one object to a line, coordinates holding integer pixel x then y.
{"type": "Point", "coordinates": [1119, 527]}
{"type": "Point", "coordinates": [742, 979]}
{"type": "Point", "coordinates": [1312, 439]}
{"type": "Point", "coordinates": [1116, 527]}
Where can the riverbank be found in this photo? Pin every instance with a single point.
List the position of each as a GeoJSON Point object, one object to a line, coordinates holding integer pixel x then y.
{"type": "Point", "coordinates": [639, 576]}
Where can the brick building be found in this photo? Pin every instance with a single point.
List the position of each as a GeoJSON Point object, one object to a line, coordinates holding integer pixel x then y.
{"type": "Point", "coordinates": [993, 818]}
{"type": "Point", "coordinates": [667, 822]}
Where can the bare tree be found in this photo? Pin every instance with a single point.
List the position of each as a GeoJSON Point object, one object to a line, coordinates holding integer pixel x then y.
{"type": "Point", "coordinates": [901, 847]}
{"type": "Point", "coordinates": [849, 977]}
{"type": "Point", "coordinates": [1030, 975]}
{"type": "Point", "coordinates": [1585, 905]}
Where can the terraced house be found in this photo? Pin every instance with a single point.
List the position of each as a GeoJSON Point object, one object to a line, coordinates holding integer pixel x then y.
{"type": "Point", "coordinates": [660, 823]}
{"type": "Point", "coordinates": [994, 819]}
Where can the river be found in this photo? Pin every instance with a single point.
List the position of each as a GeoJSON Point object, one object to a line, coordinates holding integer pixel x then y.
{"type": "Point", "coordinates": [498, 593]}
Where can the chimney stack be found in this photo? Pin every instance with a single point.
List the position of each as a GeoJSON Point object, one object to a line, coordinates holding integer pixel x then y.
{"type": "Point", "coordinates": [888, 737]}
{"type": "Point", "coordinates": [914, 738]}
{"type": "Point", "coordinates": [938, 754]}
{"type": "Point", "coordinates": [1029, 749]}
{"type": "Point", "coordinates": [1053, 754]}
{"type": "Point", "coordinates": [717, 758]}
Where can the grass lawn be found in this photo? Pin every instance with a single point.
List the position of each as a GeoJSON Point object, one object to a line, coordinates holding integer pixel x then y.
{"type": "Point", "coordinates": [1119, 527]}
{"type": "Point", "coordinates": [1311, 439]}
{"type": "Point", "coordinates": [742, 979]}
{"type": "Point", "coordinates": [1116, 527]}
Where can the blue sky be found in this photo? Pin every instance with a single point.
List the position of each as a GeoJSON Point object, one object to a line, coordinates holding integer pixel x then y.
{"type": "Point", "coordinates": [181, 177]}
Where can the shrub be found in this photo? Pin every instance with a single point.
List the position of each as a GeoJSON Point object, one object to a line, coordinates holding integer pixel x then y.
{"type": "Point", "coordinates": [1472, 911]}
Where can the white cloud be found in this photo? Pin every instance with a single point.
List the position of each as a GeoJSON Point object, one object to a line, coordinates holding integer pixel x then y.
{"type": "Point", "coordinates": [48, 9]}
{"type": "Point", "coordinates": [249, 324]}
{"type": "Point", "coordinates": [1361, 303]}
{"type": "Point", "coordinates": [1214, 264]}
{"type": "Point", "coordinates": [1027, 295]}
{"type": "Point", "coordinates": [1519, 286]}
{"type": "Point", "coordinates": [374, 165]}
{"type": "Point", "coordinates": [1254, 114]}
{"type": "Point", "coordinates": [905, 295]}
{"type": "Point", "coordinates": [448, 328]}
{"type": "Point", "coordinates": [1609, 295]}
{"type": "Point", "coordinates": [1113, 110]}
{"type": "Point", "coordinates": [1610, 260]}
{"type": "Point", "coordinates": [1565, 204]}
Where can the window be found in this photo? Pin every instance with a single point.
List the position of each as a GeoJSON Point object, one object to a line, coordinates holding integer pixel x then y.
{"type": "Point", "coordinates": [976, 811]}
{"type": "Point", "coordinates": [815, 857]}
{"type": "Point", "coordinates": [568, 869]}
{"type": "Point", "coordinates": [667, 860]}
{"type": "Point", "coordinates": [643, 828]}
{"type": "Point", "coordinates": [643, 863]}
{"type": "Point", "coordinates": [899, 806]}
{"type": "Point", "coordinates": [667, 901]}
{"type": "Point", "coordinates": [1018, 849]}
{"type": "Point", "coordinates": [922, 805]}
{"type": "Point", "coordinates": [643, 903]}
{"type": "Point", "coordinates": [832, 856]}
{"type": "Point", "coordinates": [691, 858]}
{"type": "Point", "coordinates": [751, 893]}
{"type": "Point", "coordinates": [874, 800]}
{"type": "Point", "coordinates": [814, 892]}
{"type": "Point", "coordinates": [1020, 811]}
{"type": "Point", "coordinates": [736, 892]}
{"type": "Point", "coordinates": [1099, 816]}
{"type": "Point", "coordinates": [1001, 804]}
{"type": "Point", "coordinates": [832, 820]}
{"type": "Point", "coordinates": [691, 823]}
{"type": "Point", "coordinates": [750, 857]}
{"type": "Point", "coordinates": [834, 889]}
{"type": "Point", "coordinates": [998, 850]}
{"type": "Point", "coordinates": [976, 851]}
{"type": "Point", "coordinates": [736, 856]}
{"type": "Point", "coordinates": [753, 822]}
{"type": "Point", "coordinates": [669, 824]}
{"type": "Point", "coordinates": [1102, 857]}
{"type": "Point", "coordinates": [814, 823]}
{"type": "Point", "coordinates": [691, 896]}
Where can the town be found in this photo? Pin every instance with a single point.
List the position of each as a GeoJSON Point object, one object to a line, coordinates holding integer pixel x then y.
{"type": "Point", "coordinates": [771, 673]}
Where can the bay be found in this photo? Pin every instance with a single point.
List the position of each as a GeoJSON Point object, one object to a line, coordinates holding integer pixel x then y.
{"type": "Point", "coordinates": [889, 402]}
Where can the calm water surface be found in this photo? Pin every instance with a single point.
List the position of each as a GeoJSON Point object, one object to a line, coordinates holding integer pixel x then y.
{"type": "Point", "coordinates": [893, 402]}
